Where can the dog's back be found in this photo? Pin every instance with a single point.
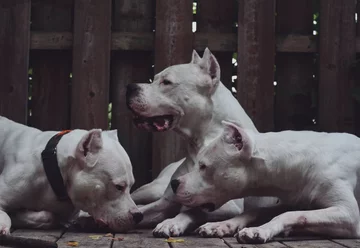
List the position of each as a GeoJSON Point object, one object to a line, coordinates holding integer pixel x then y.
{"type": "Point", "coordinates": [320, 158]}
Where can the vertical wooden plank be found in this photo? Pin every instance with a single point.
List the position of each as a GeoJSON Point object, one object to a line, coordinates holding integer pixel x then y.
{"type": "Point", "coordinates": [132, 67]}
{"type": "Point", "coordinates": [214, 16]}
{"type": "Point", "coordinates": [294, 71]}
{"type": "Point", "coordinates": [50, 101]}
{"type": "Point", "coordinates": [357, 74]}
{"type": "Point", "coordinates": [14, 58]}
{"type": "Point", "coordinates": [256, 55]}
{"type": "Point", "coordinates": [173, 45]}
{"type": "Point", "coordinates": [337, 53]}
{"type": "Point", "coordinates": [91, 64]}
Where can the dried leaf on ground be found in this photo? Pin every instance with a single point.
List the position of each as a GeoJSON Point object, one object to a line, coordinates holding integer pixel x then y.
{"type": "Point", "coordinates": [72, 243]}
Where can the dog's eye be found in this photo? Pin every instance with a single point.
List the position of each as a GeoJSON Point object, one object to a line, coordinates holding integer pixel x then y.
{"type": "Point", "coordinates": [202, 167]}
{"type": "Point", "coordinates": [119, 187]}
{"type": "Point", "coordinates": [166, 82]}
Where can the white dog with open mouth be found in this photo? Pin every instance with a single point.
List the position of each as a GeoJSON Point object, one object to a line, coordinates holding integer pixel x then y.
{"type": "Point", "coordinates": [191, 100]}
{"type": "Point", "coordinates": [89, 168]}
{"type": "Point", "coordinates": [316, 173]}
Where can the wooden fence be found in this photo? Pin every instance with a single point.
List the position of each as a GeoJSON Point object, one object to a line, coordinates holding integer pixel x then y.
{"type": "Point", "coordinates": [63, 61]}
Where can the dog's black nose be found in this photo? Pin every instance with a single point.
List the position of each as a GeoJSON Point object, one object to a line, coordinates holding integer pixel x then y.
{"type": "Point", "coordinates": [175, 184]}
{"type": "Point", "coordinates": [132, 89]}
{"type": "Point", "coordinates": [137, 217]}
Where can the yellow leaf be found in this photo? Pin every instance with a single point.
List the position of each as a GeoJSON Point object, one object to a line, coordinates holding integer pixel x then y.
{"type": "Point", "coordinates": [95, 237]}
{"type": "Point", "coordinates": [73, 243]}
{"type": "Point", "coordinates": [172, 240]}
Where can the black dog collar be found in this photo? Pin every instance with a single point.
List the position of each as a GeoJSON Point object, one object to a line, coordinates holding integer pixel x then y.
{"type": "Point", "coordinates": [51, 167]}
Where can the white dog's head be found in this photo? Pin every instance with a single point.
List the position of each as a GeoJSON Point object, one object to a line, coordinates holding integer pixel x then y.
{"type": "Point", "coordinates": [100, 178]}
{"type": "Point", "coordinates": [179, 96]}
{"type": "Point", "coordinates": [221, 172]}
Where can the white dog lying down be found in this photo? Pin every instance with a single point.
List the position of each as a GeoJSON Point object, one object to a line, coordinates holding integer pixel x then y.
{"type": "Point", "coordinates": [191, 100]}
{"type": "Point", "coordinates": [95, 168]}
{"type": "Point", "coordinates": [317, 173]}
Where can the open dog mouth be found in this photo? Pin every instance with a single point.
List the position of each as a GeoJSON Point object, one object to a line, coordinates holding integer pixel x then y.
{"type": "Point", "coordinates": [155, 123]}
{"type": "Point", "coordinates": [208, 206]}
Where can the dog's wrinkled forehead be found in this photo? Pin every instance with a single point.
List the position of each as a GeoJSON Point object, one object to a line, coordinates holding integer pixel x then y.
{"type": "Point", "coordinates": [181, 73]}
{"type": "Point", "coordinates": [115, 162]}
{"type": "Point", "coordinates": [212, 153]}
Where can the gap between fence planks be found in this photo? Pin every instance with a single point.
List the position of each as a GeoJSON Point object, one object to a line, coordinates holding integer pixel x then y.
{"type": "Point", "coordinates": [134, 41]}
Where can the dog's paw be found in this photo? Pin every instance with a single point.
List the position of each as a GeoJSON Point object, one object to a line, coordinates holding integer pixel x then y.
{"type": "Point", "coordinates": [216, 229]}
{"type": "Point", "coordinates": [169, 228]}
{"type": "Point", "coordinates": [253, 235]}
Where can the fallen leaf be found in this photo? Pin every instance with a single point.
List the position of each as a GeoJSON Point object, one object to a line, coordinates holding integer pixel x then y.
{"type": "Point", "coordinates": [95, 237]}
{"type": "Point", "coordinates": [172, 240]}
{"type": "Point", "coordinates": [73, 243]}
{"type": "Point", "coordinates": [108, 235]}
{"type": "Point", "coordinates": [118, 239]}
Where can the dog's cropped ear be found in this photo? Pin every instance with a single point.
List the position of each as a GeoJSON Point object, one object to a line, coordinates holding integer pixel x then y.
{"type": "Point", "coordinates": [238, 139]}
{"type": "Point", "coordinates": [113, 134]}
{"type": "Point", "coordinates": [195, 59]}
{"type": "Point", "coordinates": [211, 66]}
{"type": "Point", "coordinates": [87, 151]}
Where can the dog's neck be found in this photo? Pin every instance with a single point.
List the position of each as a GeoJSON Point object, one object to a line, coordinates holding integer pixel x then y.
{"type": "Point", "coordinates": [224, 107]}
{"type": "Point", "coordinates": [65, 150]}
{"type": "Point", "coordinates": [271, 167]}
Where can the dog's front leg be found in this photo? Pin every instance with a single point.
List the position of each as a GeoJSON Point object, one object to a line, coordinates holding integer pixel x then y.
{"type": "Point", "coordinates": [5, 223]}
{"type": "Point", "coordinates": [158, 211]}
{"type": "Point", "coordinates": [180, 224]}
{"type": "Point", "coordinates": [229, 227]}
{"type": "Point", "coordinates": [188, 220]}
{"type": "Point", "coordinates": [337, 221]}
{"type": "Point", "coordinates": [34, 219]}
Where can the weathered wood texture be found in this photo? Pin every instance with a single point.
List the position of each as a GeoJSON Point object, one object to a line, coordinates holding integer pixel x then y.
{"type": "Point", "coordinates": [14, 58]}
{"type": "Point", "coordinates": [313, 244]}
{"type": "Point", "coordinates": [133, 41]}
{"type": "Point", "coordinates": [50, 85]}
{"type": "Point", "coordinates": [214, 16]}
{"type": "Point", "coordinates": [256, 55]}
{"type": "Point", "coordinates": [132, 67]}
{"type": "Point", "coordinates": [85, 240]}
{"type": "Point", "coordinates": [173, 45]}
{"type": "Point", "coordinates": [31, 238]}
{"type": "Point", "coordinates": [348, 242]}
{"type": "Point", "coordinates": [91, 64]}
{"type": "Point", "coordinates": [294, 72]}
{"type": "Point", "coordinates": [232, 242]}
{"type": "Point", "coordinates": [145, 239]}
{"type": "Point", "coordinates": [139, 239]}
{"type": "Point", "coordinates": [337, 54]}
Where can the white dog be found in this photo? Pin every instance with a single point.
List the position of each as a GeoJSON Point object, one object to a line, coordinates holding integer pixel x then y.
{"type": "Point", "coordinates": [191, 100]}
{"type": "Point", "coordinates": [95, 170]}
{"type": "Point", "coordinates": [315, 173]}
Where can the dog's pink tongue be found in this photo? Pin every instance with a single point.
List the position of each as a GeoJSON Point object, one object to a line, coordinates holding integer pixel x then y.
{"type": "Point", "coordinates": [161, 124]}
